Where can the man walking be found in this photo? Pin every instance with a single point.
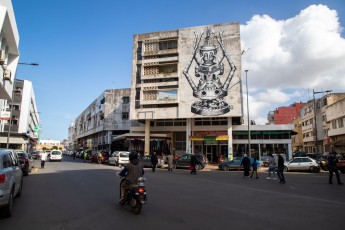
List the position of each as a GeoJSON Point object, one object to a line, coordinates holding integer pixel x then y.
{"type": "Point", "coordinates": [170, 162]}
{"type": "Point", "coordinates": [281, 169]}
{"type": "Point", "coordinates": [43, 159]}
{"type": "Point", "coordinates": [332, 168]}
{"type": "Point", "coordinates": [154, 161]}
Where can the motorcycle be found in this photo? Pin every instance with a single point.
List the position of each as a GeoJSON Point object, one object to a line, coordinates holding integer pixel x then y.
{"type": "Point", "coordinates": [135, 195]}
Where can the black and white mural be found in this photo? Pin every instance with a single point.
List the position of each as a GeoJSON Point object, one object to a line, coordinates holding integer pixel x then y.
{"type": "Point", "coordinates": [210, 72]}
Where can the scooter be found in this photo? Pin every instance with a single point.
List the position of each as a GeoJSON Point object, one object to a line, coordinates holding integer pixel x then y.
{"type": "Point", "coordinates": [135, 195]}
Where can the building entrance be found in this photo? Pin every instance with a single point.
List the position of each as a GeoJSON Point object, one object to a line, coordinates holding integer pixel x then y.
{"type": "Point", "coordinates": [211, 153]}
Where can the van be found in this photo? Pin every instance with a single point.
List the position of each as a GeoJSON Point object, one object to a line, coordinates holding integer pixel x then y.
{"type": "Point", "coordinates": [119, 158]}
{"type": "Point", "coordinates": [55, 155]}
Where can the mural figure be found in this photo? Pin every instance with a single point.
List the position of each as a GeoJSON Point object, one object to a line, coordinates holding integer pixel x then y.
{"type": "Point", "coordinates": [210, 89]}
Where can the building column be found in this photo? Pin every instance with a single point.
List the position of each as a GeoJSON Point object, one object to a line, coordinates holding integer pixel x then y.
{"type": "Point", "coordinates": [289, 151]}
{"type": "Point", "coordinates": [188, 133]}
{"type": "Point", "coordinates": [147, 136]}
{"type": "Point", "coordinates": [230, 140]}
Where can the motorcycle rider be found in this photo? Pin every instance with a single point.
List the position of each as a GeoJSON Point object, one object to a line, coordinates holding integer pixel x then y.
{"type": "Point", "coordinates": [131, 172]}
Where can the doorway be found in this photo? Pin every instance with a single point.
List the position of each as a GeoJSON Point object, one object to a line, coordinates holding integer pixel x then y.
{"type": "Point", "coordinates": [211, 153]}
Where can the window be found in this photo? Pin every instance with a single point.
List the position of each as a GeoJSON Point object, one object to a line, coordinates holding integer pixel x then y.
{"type": "Point", "coordinates": [334, 124]}
{"type": "Point", "coordinates": [341, 122]}
{"type": "Point", "coordinates": [125, 116]}
{"type": "Point", "coordinates": [164, 45]}
{"type": "Point", "coordinates": [125, 100]}
{"type": "Point", "coordinates": [167, 95]}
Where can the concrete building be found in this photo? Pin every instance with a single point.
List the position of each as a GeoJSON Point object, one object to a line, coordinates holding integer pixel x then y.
{"type": "Point", "coordinates": [187, 94]}
{"type": "Point", "coordinates": [49, 144]}
{"type": "Point", "coordinates": [106, 117]}
{"type": "Point", "coordinates": [24, 123]}
{"type": "Point", "coordinates": [315, 125]}
{"type": "Point", "coordinates": [285, 114]}
{"type": "Point", "coordinates": [9, 53]}
{"type": "Point", "coordinates": [335, 116]}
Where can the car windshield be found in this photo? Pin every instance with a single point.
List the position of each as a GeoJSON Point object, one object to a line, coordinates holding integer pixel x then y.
{"type": "Point", "coordinates": [124, 154]}
{"type": "Point", "coordinates": [56, 153]}
{"type": "Point", "coordinates": [21, 155]}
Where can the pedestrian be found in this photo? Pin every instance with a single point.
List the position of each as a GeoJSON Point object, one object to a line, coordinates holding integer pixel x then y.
{"type": "Point", "coordinates": [193, 162]}
{"type": "Point", "coordinates": [85, 155]}
{"type": "Point", "coordinates": [170, 162]}
{"type": "Point", "coordinates": [74, 153]}
{"type": "Point", "coordinates": [255, 168]}
{"type": "Point", "coordinates": [271, 167]}
{"type": "Point", "coordinates": [43, 159]}
{"type": "Point", "coordinates": [154, 161]}
{"type": "Point", "coordinates": [280, 172]}
{"type": "Point", "coordinates": [332, 168]}
{"type": "Point", "coordinates": [246, 165]}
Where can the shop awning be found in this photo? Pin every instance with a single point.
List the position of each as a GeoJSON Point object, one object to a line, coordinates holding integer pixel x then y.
{"type": "Point", "coordinates": [209, 138]}
{"type": "Point", "coordinates": [340, 142]}
{"type": "Point", "coordinates": [14, 140]}
{"type": "Point", "coordinates": [140, 136]}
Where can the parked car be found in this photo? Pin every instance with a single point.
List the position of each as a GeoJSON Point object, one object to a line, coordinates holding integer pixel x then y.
{"type": "Point", "coordinates": [302, 164]}
{"type": "Point", "coordinates": [183, 161]}
{"type": "Point", "coordinates": [146, 161]}
{"type": "Point", "coordinates": [55, 155]}
{"type": "Point", "coordinates": [36, 154]}
{"type": "Point", "coordinates": [26, 162]}
{"type": "Point", "coordinates": [233, 164]}
{"type": "Point", "coordinates": [11, 180]}
{"type": "Point", "coordinates": [119, 158]}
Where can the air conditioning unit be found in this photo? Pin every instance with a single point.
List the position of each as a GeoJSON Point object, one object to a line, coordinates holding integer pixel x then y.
{"type": "Point", "coordinates": [2, 57]}
{"type": "Point", "coordinates": [7, 75]}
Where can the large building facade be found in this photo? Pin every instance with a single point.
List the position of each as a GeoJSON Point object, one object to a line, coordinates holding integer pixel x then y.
{"type": "Point", "coordinates": [107, 116]}
{"type": "Point", "coordinates": [187, 95]}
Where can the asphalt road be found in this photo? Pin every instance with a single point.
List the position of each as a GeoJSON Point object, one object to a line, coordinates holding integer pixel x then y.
{"type": "Point", "coordinates": [76, 195]}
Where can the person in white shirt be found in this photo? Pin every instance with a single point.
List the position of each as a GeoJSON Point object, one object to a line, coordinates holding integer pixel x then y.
{"type": "Point", "coordinates": [43, 158]}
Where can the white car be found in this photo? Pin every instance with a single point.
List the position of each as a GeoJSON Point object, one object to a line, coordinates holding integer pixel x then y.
{"type": "Point", "coordinates": [302, 164]}
{"type": "Point", "coordinates": [119, 158]}
{"type": "Point", "coordinates": [11, 180]}
{"type": "Point", "coordinates": [55, 155]}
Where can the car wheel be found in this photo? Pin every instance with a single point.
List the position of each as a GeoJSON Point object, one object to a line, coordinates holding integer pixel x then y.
{"type": "Point", "coordinates": [20, 191]}
{"type": "Point", "coordinates": [174, 165]}
{"type": "Point", "coordinates": [197, 167]}
{"type": "Point", "coordinates": [9, 206]}
{"type": "Point", "coordinates": [226, 168]}
{"type": "Point", "coordinates": [342, 170]}
{"type": "Point", "coordinates": [286, 169]}
{"type": "Point", "coordinates": [313, 169]}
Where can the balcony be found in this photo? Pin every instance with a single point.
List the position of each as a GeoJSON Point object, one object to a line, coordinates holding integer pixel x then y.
{"type": "Point", "coordinates": [160, 52]}
{"type": "Point", "coordinates": [309, 139]}
{"type": "Point", "coordinates": [308, 127]}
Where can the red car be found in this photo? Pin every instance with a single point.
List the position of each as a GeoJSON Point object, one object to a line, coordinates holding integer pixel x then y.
{"type": "Point", "coordinates": [26, 162]}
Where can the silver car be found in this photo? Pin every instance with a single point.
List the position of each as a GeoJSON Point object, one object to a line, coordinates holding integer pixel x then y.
{"type": "Point", "coordinates": [11, 180]}
{"type": "Point", "coordinates": [119, 158]}
{"type": "Point", "coordinates": [302, 164]}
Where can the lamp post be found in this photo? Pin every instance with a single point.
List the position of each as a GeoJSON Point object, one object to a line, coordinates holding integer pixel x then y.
{"type": "Point", "coordinates": [248, 150]}
{"type": "Point", "coordinates": [12, 99]}
{"type": "Point", "coordinates": [315, 118]}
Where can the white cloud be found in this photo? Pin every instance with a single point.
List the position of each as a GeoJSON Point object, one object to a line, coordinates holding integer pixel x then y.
{"type": "Point", "coordinates": [288, 57]}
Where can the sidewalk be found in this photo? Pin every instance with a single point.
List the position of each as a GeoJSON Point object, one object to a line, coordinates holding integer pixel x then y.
{"type": "Point", "coordinates": [214, 167]}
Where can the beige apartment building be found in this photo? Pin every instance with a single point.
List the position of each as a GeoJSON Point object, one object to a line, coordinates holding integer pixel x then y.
{"type": "Point", "coordinates": [316, 118]}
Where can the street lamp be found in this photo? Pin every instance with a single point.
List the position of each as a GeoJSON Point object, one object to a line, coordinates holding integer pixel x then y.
{"type": "Point", "coordinates": [248, 150]}
{"type": "Point", "coordinates": [11, 109]}
{"type": "Point", "coordinates": [316, 138]}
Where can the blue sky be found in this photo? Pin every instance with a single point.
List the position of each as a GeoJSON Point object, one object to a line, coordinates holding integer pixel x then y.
{"type": "Point", "coordinates": [84, 47]}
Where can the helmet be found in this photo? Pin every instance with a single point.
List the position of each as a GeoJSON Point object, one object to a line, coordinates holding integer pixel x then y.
{"type": "Point", "coordinates": [133, 156]}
